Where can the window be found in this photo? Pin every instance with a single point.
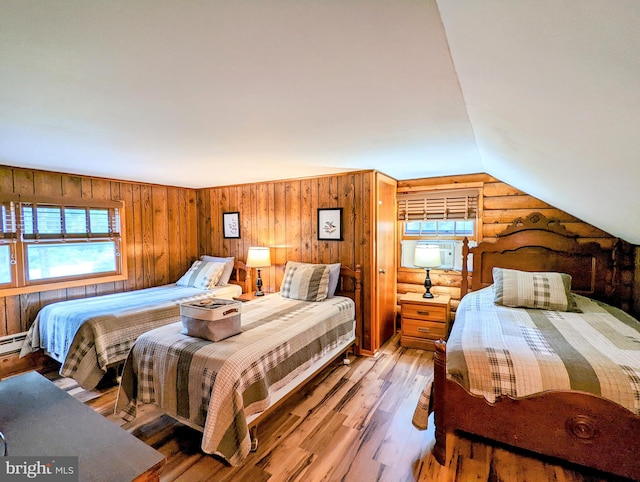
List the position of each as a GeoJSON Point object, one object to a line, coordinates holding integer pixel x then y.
{"type": "Point", "coordinates": [440, 229]}
{"type": "Point", "coordinates": [437, 217]}
{"type": "Point", "coordinates": [45, 244]}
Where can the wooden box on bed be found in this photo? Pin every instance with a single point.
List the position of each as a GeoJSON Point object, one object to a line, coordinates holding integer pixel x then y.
{"type": "Point", "coordinates": [573, 426]}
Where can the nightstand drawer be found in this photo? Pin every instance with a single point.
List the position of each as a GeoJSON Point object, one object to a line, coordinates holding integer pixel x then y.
{"type": "Point", "coordinates": [423, 329]}
{"type": "Point", "coordinates": [424, 312]}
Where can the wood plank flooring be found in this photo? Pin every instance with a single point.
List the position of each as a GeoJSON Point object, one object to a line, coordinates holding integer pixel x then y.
{"type": "Point", "coordinates": [351, 423]}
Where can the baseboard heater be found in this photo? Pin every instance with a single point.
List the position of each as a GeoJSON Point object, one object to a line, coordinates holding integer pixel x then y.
{"type": "Point", "coordinates": [12, 343]}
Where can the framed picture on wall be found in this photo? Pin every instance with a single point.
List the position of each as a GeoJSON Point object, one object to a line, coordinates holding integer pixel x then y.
{"type": "Point", "coordinates": [231, 224]}
{"type": "Point", "coordinates": [330, 224]}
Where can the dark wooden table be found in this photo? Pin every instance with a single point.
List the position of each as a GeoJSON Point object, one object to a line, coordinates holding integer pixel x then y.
{"type": "Point", "coordinates": [39, 419]}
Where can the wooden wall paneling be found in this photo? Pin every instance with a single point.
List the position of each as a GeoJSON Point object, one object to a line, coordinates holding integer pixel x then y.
{"type": "Point", "coordinates": [292, 193]}
{"type": "Point", "coordinates": [307, 245]}
{"type": "Point", "coordinates": [176, 228]}
{"type": "Point", "coordinates": [229, 203]}
{"type": "Point", "coordinates": [203, 222]}
{"type": "Point", "coordinates": [337, 247]}
{"type": "Point", "coordinates": [136, 241]}
{"type": "Point", "coordinates": [4, 322]}
{"type": "Point", "coordinates": [147, 236]}
{"type": "Point", "coordinates": [47, 184]}
{"type": "Point", "coordinates": [6, 180]}
{"type": "Point", "coordinates": [346, 196]}
{"type": "Point", "coordinates": [271, 223]}
{"type": "Point", "coordinates": [23, 181]}
{"type": "Point", "coordinates": [324, 201]}
{"type": "Point", "coordinates": [249, 216]}
{"type": "Point", "coordinates": [280, 220]}
{"type": "Point", "coordinates": [160, 235]}
{"type": "Point", "coordinates": [225, 206]}
{"type": "Point", "coordinates": [71, 186]}
{"type": "Point", "coordinates": [190, 213]}
{"type": "Point", "coordinates": [126, 195]}
{"type": "Point", "coordinates": [13, 313]}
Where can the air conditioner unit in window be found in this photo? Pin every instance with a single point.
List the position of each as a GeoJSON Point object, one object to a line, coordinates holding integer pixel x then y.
{"type": "Point", "coordinates": [447, 252]}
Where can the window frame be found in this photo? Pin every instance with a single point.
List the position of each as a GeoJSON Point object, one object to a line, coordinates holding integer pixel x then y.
{"type": "Point", "coordinates": [435, 192]}
{"type": "Point", "coordinates": [18, 244]}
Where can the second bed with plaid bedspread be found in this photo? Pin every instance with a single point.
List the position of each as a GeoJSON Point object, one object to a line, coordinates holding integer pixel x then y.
{"type": "Point", "coordinates": [217, 385]}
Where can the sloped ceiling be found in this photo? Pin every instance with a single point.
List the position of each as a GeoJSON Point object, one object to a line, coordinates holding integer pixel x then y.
{"type": "Point", "coordinates": [543, 95]}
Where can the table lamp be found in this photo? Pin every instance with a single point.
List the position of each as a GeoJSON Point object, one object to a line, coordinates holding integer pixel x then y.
{"type": "Point", "coordinates": [427, 256]}
{"type": "Point", "coordinates": [258, 258]}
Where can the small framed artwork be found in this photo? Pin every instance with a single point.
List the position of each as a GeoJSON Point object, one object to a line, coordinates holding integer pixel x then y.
{"type": "Point", "coordinates": [231, 224]}
{"type": "Point", "coordinates": [330, 224]}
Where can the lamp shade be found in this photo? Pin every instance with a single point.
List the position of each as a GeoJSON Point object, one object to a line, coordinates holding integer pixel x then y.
{"type": "Point", "coordinates": [258, 257]}
{"type": "Point", "coordinates": [427, 256]}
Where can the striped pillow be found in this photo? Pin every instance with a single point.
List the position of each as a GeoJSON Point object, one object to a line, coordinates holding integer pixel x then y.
{"type": "Point", "coordinates": [545, 291]}
{"type": "Point", "coordinates": [202, 274]}
{"type": "Point", "coordinates": [305, 282]}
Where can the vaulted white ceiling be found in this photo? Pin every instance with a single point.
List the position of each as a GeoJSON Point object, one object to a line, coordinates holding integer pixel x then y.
{"type": "Point", "coordinates": [544, 95]}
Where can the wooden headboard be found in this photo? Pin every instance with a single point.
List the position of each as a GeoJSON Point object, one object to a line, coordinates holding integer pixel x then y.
{"type": "Point", "coordinates": [240, 276]}
{"type": "Point", "coordinates": [538, 243]}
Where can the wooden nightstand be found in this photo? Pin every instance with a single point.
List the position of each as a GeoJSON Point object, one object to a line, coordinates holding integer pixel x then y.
{"type": "Point", "coordinates": [248, 296]}
{"type": "Point", "coordinates": [424, 320]}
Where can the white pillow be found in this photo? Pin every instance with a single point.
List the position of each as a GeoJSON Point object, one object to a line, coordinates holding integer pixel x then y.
{"type": "Point", "coordinates": [228, 267]}
{"type": "Point", "coordinates": [202, 274]}
{"type": "Point", "coordinates": [334, 277]}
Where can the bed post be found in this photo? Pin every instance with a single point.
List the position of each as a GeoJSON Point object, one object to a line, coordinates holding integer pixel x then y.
{"type": "Point", "coordinates": [358, 301]}
{"type": "Point", "coordinates": [439, 381]}
{"type": "Point", "coordinates": [464, 284]}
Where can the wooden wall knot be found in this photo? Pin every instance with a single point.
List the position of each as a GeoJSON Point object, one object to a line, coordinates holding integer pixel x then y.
{"type": "Point", "coordinates": [583, 427]}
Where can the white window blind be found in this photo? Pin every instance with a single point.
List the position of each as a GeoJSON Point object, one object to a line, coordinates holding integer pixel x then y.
{"type": "Point", "coordinates": [59, 222]}
{"type": "Point", "coordinates": [8, 225]}
{"type": "Point", "coordinates": [438, 205]}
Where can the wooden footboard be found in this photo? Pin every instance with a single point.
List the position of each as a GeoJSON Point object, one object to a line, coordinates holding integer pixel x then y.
{"type": "Point", "coordinates": [569, 425]}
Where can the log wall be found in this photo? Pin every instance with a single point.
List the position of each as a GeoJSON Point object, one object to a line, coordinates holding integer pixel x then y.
{"type": "Point", "coordinates": [501, 204]}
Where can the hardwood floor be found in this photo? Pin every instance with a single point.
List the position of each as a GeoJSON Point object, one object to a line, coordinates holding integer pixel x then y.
{"type": "Point", "coordinates": [351, 423]}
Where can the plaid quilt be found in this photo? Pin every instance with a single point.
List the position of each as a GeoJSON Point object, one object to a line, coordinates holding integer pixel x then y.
{"type": "Point", "coordinates": [496, 351]}
{"type": "Point", "coordinates": [87, 335]}
{"type": "Point", "coordinates": [216, 385]}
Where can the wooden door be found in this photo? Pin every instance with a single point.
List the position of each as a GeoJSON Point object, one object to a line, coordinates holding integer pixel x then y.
{"type": "Point", "coordinates": [384, 274]}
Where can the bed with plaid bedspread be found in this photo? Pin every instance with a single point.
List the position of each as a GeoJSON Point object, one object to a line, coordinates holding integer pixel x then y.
{"type": "Point", "coordinates": [218, 385]}
{"type": "Point", "coordinates": [496, 351]}
{"type": "Point", "coordinates": [89, 334]}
